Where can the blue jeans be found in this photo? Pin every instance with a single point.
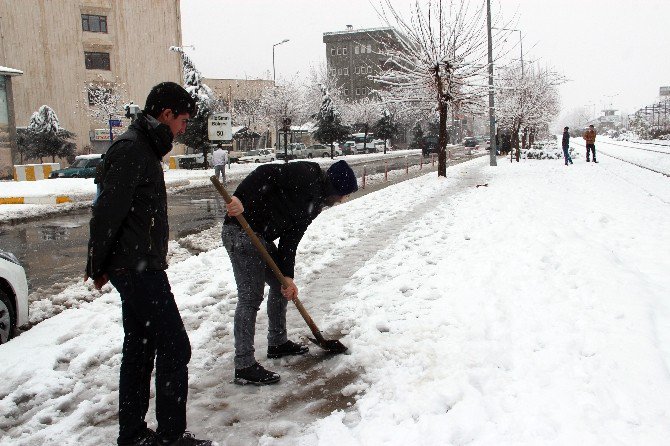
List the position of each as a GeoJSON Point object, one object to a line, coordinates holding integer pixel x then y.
{"type": "Point", "coordinates": [566, 155]}
{"type": "Point", "coordinates": [251, 275]}
{"type": "Point", "coordinates": [220, 169]}
{"type": "Point", "coordinates": [153, 330]}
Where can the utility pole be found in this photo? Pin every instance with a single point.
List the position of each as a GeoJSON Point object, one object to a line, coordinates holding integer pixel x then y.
{"type": "Point", "coordinates": [493, 147]}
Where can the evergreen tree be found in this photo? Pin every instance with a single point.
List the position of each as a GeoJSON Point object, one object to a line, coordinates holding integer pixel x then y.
{"type": "Point", "coordinates": [329, 123]}
{"type": "Point", "coordinates": [196, 135]}
{"type": "Point", "coordinates": [417, 136]}
{"type": "Point", "coordinates": [385, 128]}
{"type": "Point", "coordinates": [45, 137]}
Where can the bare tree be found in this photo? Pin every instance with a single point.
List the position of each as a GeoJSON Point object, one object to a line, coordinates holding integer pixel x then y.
{"type": "Point", "coordinates": [440, 59]}
{"type": "Point", "coordinates": [527, 102]}
{"type": "Point", "coordinates": [105, 100]}
{"type": "Point", "coordinates": [284, 101]}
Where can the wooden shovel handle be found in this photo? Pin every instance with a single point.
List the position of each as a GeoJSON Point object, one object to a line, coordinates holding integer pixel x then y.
{"type": "Point", "coordinates": [268, 259]}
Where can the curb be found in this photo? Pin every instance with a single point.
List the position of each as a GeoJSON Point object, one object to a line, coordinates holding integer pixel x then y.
{"type": "Point", "coordinates": [36, 200]}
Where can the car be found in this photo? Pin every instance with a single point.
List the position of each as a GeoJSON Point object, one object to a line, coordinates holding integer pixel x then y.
{"type": "Point", "coordinates": [470, 142]}
{"type": "Point", "coordinates": [83, 167]}
{"type": "Point", "coordinates": [348, 147]}
{"type": "Point", "coordinates": [431, 145]}
{"type": "Point", "coordinates": [321, 150]}
{"type": "Point", "coordinates": [294, 150]}
{"type": "Point", "coordinates": [256, 156]}
{"type": "Point", "coordinates": [13, 296]}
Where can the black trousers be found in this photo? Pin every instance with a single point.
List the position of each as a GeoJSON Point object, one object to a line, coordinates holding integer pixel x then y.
{"type": "Point", "coordinates": [153, 331]}
{"type": "Point", "coordinates": [592, 147]}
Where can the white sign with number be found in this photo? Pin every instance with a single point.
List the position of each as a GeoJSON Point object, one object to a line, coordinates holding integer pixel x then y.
{"type": "Point", "coordinates": [219, 127]}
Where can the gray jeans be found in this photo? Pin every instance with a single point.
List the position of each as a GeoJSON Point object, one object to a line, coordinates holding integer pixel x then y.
{"type": "Point", "coordinates": [220, 169]}
{"type": "Point", "coordinates": [251, 274]}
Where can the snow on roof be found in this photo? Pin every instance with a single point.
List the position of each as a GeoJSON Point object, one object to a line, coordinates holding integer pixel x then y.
{"type": "Point", "coordinates": [10, 71]}
{"type": "Point", "coordinates": [308, 127]}
{"type": "Point", "coordinates": [237, 128]}
{"type": "Point", "coordinates": [365, 30]}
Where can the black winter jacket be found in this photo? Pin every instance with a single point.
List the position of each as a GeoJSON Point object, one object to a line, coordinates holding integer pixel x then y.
{"type": "Point", "coordinates": [566, 140]}
{"type": "Point", "coordinates": [280, 201]}
{"type": "Point", "coordinates": [129, 228]}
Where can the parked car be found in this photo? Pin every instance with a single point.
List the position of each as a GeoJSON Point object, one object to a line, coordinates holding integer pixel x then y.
{"type": "Point", "coordinates": [322, 151]}
{"type": "Point", "coordinates": [431, 144]}
{"type": "Point", "coordinates": [83, 167]}
{"type": "Point", "coordinates": [256, 156]}
{"type": "Point", "coordinates": [348, 147]}
{"type": "Point", "coordinates": [191, 161]}
{"type": "Point", "coordinates": [294, 150]}
{"type": "Point", "coordinates": [470, 142]}
{"type": "Point", "coordinates": [13, 296]}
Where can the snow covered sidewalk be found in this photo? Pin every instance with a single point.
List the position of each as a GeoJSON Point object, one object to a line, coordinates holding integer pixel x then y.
{"type": "Point", "coordinates": [524, 304]}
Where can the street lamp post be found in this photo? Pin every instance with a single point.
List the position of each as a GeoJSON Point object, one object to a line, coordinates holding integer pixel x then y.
{"type": "Point", "coordinates": [274, 77]}
{"type": "Point", "coordinates": [493, 147]}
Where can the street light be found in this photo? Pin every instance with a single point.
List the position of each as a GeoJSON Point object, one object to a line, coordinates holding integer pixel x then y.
{"type": "Point", "coordinates": [274, 78]}
{"type": "Point", "coordinates": [520, 43]}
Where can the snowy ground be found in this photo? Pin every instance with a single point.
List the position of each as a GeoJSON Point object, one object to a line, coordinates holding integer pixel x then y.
{"type": "Point", "coordinates": [519, 305]}
{"type": "Point", "coordinates": [82, 190]}
{"type": "Point", "coordinates": [652, 156]}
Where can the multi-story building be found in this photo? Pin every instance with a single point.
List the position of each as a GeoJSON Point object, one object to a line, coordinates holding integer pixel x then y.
{"type": "Point", "coordinates": [63, 46]}
{"type": "Point", "coordinates": [353, 55]}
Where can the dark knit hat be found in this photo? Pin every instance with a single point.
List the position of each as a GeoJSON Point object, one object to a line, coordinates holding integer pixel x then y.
{"type": "Point", "coordinates": [343, 178]}
{"type": "Point", "coordinates": [168, 95]}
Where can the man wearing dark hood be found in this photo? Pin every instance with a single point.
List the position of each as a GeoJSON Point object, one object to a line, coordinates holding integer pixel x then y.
{"type": "Point", "coordinates": [279, 201]}
{"type": "Point", "coordinates": [128, 247]}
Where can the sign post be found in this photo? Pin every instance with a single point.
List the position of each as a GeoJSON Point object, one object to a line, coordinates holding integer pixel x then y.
{"type": "Point", "coordinates": [219, 127]}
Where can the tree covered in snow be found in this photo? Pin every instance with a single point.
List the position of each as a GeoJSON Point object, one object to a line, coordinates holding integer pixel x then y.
{"type": "Point", "coordinates": [526, 102]}
{"type": "Point", "coordinates": [196, 134]}
{"type": "Point", "coordinates": [385, 127]}
{"type": "Point", "coordinates": [361, 115]}
{"type": "Point", "coordinates": [105, 100]}
{"type": "Point", "coordinates": [417, 137]}
{"type": "Point", "coordinates": [329, 123]}
{"type": "Point", "coordinates": [284, 101]}
{"type": "Point", "coordinates": [439, 58]}
{"type": "Point", "coordinates": [319, 78]}
{"type": "Point", "coordinates": [45, 137]}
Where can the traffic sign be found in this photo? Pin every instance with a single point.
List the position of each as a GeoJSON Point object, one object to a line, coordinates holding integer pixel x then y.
{"type": "Point", "coordinates": [115, 123]}
{"type": "Point", "coordinates": [220, 127]}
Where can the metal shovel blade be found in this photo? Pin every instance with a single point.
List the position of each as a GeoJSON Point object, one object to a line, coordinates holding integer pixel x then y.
{"type": "Point", "coordinates": [330, 345]}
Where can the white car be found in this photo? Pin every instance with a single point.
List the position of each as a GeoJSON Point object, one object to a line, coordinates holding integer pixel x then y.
{"type": "Point", "coordinates": [256, 156]}
{"type": "Point", "coordinates": [13, 296]}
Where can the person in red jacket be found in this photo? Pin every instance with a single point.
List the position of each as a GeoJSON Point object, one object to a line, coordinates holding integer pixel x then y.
{"type": "Point", "coordinates": [590, 138]}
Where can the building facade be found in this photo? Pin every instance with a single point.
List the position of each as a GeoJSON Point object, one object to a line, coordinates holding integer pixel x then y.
{"type": "Point", "coordinates": [353, 55]}
{"type": "Point", "coordinates": [65, 46]}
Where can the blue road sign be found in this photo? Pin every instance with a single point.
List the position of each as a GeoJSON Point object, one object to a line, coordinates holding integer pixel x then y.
{"type": "Point", "coordinates": [115, 123]}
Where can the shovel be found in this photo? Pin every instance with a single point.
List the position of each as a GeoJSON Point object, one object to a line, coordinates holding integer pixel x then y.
{"type": "Point", "coordinates": [330, 345]}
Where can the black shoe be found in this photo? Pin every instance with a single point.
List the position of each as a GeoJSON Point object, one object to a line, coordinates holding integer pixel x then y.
{"type": "Point", "coordinates": [146, 438]}
{"type": "Point", "coordinates": [288, 348]}
{"type": "Point", "coordinates": [587, 160]}
{"type": "Point", "coordinates": [186, 439]}
{"type": "Point", "coordinates": [255, 374]}
{"type": "Point", "coordinates": [595, 161]}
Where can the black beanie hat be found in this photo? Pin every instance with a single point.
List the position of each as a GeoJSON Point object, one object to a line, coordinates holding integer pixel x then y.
{"type": "Point", "coordinates": [169, 95]}
{"type": "Point", "coordinates": [343, 178]}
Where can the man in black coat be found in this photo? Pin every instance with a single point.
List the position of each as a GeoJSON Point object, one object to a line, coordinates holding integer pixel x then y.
{"type": "Point", "coordinates": [566, 146]}
{"type": "Point", "coordinates": [128, 247]}
{"type": "Point", "coordinates": [279, 201]}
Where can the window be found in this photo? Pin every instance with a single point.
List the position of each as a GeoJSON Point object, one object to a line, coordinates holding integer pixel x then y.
{"type": "Point", "coordinates": [344, 51]}
{"type": "Point", "coordinates": [339, 71]}
{"type": "Point", "coordinates": [358, 92]}
{"type": "Point", "coordinates": [94, 23]}
{"type": "Point", "coordinates": [332, 51]}
{"type": "Point", "coordinates": [96, 61]}
{"type": "Point", "coordinates": [357, 70]}
{"type": "Point", "coordinates": [333, 71]}
{"type": "Point", "coordinates": [369, 48]}
{"type": "Point", "coordinates": [345, 71]}
{"type": "Point", "coordinates": [369, 69]}
{"type": "Point", "coordinates": [356, 49]}
{"type": "Point", "coordinates": [339, 50]}
{"type": "Point", "coordinates": [346, 92]}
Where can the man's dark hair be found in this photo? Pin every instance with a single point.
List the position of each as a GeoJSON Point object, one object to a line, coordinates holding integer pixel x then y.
{"type": "Point", "coordinates": [168, 95]}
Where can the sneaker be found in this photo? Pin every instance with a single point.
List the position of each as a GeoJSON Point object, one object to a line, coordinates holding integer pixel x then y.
{"type": "Point", "coordinates": [288, 348]}
{"type": "Point", "coordinates": [255, 374]}
{"type": "Point", "coordinates": [146, 438]}
{"type": "Point", "coordinates": [587, 160]}
{"type": "Point", "coordinates": [187, 439]}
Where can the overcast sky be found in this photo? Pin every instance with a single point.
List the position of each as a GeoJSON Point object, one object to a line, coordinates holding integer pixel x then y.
{"type": "Point", "coordinates": [613, 51]}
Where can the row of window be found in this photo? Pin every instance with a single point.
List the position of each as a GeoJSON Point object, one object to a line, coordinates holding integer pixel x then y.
{"type": "Point", "coordinates": [359, 91]}
{"type": "Point", "coordinates": [345, 71]}
{"type": "Point", "coordinates": [358, 49]}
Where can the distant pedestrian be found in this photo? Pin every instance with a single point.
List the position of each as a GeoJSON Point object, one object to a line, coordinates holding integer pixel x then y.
{"type": "Point", "coordinates": [590, 138]}
{"type": "Point", "coordinates": [279, 201]}
{"type": "Point", "coordinates": [566, 146]}
{"type": "Point", "coordinates": [128, 246]}
{"type": "Point", "coordinates": [220, 159]}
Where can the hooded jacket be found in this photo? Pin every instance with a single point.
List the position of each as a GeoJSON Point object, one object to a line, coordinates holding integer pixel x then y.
{"type": "Point", "coordinates": [280, 201]}
{"type": "Point", "coordinates": [129, 228]}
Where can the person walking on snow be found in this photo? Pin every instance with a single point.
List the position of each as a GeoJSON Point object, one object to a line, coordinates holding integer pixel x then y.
{"type": "Point", "coordinates": [590, 138]}
{"type": "Point", "coordinates": [128, 247]}
{"type": "Point", "coordinates": [566, 146]}
{"type": "Point", "coordinates": [219, 160]}
{"type": "Point", "coordinates": [279, 201]}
